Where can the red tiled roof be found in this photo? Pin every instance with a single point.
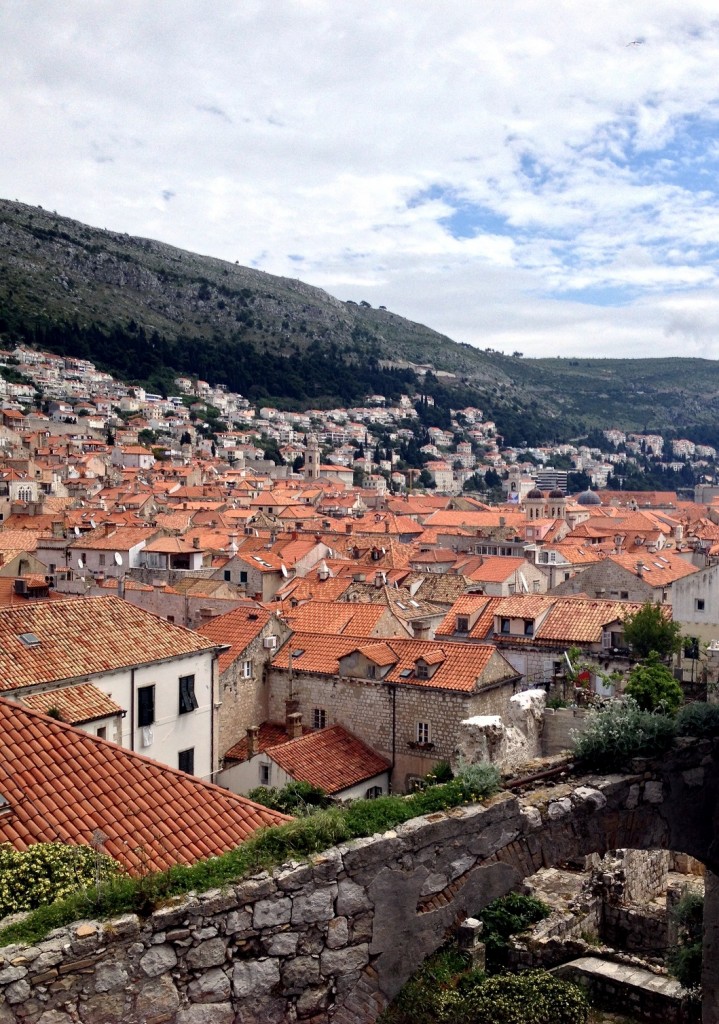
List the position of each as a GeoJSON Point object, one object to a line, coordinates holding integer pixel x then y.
{"type": "Point", "coordinates": [461, 670]}
{"type": "Point", "coordinates": [62, 784]}
{"type": "Point", "coordinates": [75, 704]}
{"type": "Point", "coordinates": [330, 758]}
{"type": "Point", "coordinates": [85, 637]}
{"type": "Point", "coordinates": [237, 628]}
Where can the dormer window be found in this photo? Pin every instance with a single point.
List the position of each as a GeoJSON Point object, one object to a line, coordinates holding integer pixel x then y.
{"type": "Point", "coordinates": [462, 624]}
{"type": "Point", "coordinates": [529, 627]}
{"type": "Point", "coordinates": [422, 670]}
{"type": "Point", "coordinates": [504, 625]}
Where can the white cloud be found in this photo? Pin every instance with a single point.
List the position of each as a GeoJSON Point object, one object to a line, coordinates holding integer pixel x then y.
{"type": "Point", "coordinates": [269, 129]}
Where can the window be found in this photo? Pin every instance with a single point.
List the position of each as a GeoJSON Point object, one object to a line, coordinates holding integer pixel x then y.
{"type": "Point", "coordinates": [504, 626]}
{"type": "Point", "coordinates": [243, 576]}
{"type": "Point", "coordinates": [373, 792]}
{"type": "Point", "coordinates": [146, 705]}
{"type": "Point", "coordinates": [699, 604]}
{"type": "Point", "coordinates": [265, 774]}
{"type": "Point", "coordinates": [423, 732]}
{"type": "Point", "coordinates": [186, 760]}
{"type": "Point", "coordinates": [188, 700]}
{"type": "Point", "coordinates": [319, 718]}
{"type": "Point", "coordinates": [246, 669]}
{"type": "Point", "coordinates": [535, 586]}
{"type": "Point", "coordinates": [170, 618]}
{"type": "Point", "coordinates": [529, 627]}
{"type": "Point", "coordinates": [624, 595]}
{"type": "Point", "coordinates": [102, 559]}
{"type": "Point", "coordinates": [102, 732]}
{"type": "Point", "coordinates": [228, 576]}
{"type": "Point", "coordinates": [421, 670]}
{"type": "Point", "coordinates": [371, 671]}
{"type": "Point", "coordinates": [462, 624]}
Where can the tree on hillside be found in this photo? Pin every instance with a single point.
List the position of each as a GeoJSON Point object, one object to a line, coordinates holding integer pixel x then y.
{"type": "Point", "coordinates": [649, 630]}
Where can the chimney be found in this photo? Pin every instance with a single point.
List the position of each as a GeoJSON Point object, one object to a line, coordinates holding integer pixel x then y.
{"type": "Point", "coordinates": [253, 740]}
{"type": "Point", "coordinates": [292, 706]}
{"type": "Point", "coordinates": [348, 527]}
{"type": "Point", "coordinates": [57, 528]}
{"type": "Point", "coordinates": [294, 725]}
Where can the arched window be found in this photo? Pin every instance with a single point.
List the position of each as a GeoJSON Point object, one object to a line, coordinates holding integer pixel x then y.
{"type": "Point", "coordinates": [373, 792]}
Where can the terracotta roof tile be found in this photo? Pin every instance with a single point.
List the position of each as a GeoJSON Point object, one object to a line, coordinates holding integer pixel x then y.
{"type": "Point", "coordinates": [85, 637]}
{"type": "Point", "coordinates": [75, 704]}
{"type": "Point", "coordinates": [332, 759]}
{"type": "Point", "coordinates": [462, 668]}
{"type": "Point", "coordinates": [62, 784]}
{"type": "Point", "coordinates": [237, 628]}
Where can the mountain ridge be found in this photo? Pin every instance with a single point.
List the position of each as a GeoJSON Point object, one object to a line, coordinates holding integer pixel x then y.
{"type": "Point", "coordinates": [146, 310]}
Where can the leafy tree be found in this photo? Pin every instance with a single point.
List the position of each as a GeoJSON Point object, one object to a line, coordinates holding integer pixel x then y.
{"type": "Point", "coordinates": [186, 437]}
{"type": "Point", "coordinates": [653, 687]}
{"type": "Point", "coordinates": [425, 480]}
{"type": "Point", "coordinates": [649, 629]}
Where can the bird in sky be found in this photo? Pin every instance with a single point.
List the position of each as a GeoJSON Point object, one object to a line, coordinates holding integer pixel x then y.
{"type": "Point", "coordinates": [637, 42]}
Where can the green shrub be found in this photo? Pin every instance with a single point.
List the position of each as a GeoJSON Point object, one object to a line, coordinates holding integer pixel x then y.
{"type": "Point", "coordinates": [441, 773]}
{"type": "Point", "coordinates": [46, 872]}
{"type": "Point", "coordinates": [685, 959]}
{"type": "Point", "coordinates": [653, 687]}
{"type": "Point", "coordinates": [699, 719]}
{"type": "Point", "coordinates": [621, 731]}
{"type": "Point", "coordinates": [509, 915]}
{"type": "Point", "coordinates": [533, 997]}
{"type": "Point", "coordinates": [296, 798]}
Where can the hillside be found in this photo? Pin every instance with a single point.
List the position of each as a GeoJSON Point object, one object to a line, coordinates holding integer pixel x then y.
{"type": "Point", "coordinates": [146, 311]}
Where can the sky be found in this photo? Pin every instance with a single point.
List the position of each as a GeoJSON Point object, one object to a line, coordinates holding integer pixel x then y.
{"type": "Point", "coordinates": [517, 174]}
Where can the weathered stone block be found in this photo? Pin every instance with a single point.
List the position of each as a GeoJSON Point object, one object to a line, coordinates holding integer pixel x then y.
{"type": "Point", "coordinates": [158, 960]}
{"type": "Point", "coordinates": [17, 992]}
{"type": "Point", "coordinates": [206, 1013]}
{"type": "Point", "coordinates": [352, 898]}
{"type": "Point", "coordinates": [282, 944]}
{"type": "Point", "coordinates": [156, 998]}
{"type": "Point", "coordinates": [270, 913]}
{"type": "Point", "coordinates": [313, 1000]}
{"type": "Point", "coordinates": [106, 1008]}
{"type": "Point", "coordinates": [341, 961]}
{"type": "Point", "coordinates": [300, 972]}
{"type": "Point", "coordinates": [208, 954]}
{"type": "Point", "coordinates": [337, 933]}
{"type": "Point", "coordinates": [317, 905]}
{"type": "Point", "coordinates": [110, 976]}
{"type": "Point", "coordinates": [254, 977]}
{"type": "Point", "coordinates": [211, 987]}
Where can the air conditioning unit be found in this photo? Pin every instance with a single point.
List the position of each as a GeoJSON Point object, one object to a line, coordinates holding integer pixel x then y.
{"type": "Point", "coordinates": [270, 643]}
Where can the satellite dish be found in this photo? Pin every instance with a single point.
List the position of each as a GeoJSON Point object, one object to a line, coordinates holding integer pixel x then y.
{"type": "Point", "coordinates": [284, 572]}
{"type": "Point", "coordinates": [93, 524]}
{"type": "Point", "coordinates": [76, 530]}
{"type": "Point", "coordinates": [117, 558]}
{"type": "Point", "coordinates": [81, 562]}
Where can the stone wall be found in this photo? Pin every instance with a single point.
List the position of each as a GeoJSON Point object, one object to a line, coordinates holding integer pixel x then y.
{"type": "Point", "coordinates": [559, 728]}
{"type": "Point", "coordinates": [336, 938]}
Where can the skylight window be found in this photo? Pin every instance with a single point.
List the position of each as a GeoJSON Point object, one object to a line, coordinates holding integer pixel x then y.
{"type": "Point", "coordinates": [29, 639]}
{"type": "Point", "coordinates": [298, 653]}
{"type": "Point", "coordinates": [405, 673]}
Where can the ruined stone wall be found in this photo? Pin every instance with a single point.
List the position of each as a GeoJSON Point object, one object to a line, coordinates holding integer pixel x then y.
{"type": "Point", "coordinates": [559, 728]}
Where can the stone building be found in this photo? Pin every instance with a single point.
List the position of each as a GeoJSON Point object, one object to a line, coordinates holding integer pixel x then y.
{"type": "Point", "coordinates": [403, 698]}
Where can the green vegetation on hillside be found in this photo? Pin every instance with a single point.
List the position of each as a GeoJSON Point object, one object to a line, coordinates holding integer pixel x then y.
{"type": "Point", "coordinates": [146, 312]}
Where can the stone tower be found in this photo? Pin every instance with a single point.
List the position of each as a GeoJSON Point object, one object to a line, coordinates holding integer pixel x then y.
{"type": "Point", "coordinates": [312, 458]}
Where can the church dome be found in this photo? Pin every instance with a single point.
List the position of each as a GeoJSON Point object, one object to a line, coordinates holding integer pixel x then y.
{"type": "Point", "coordinates": [589, 498]}
{"type": "Point", "coordinates": [536, 493]}
{"type": "Point", "coordinates": [556, 493]}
